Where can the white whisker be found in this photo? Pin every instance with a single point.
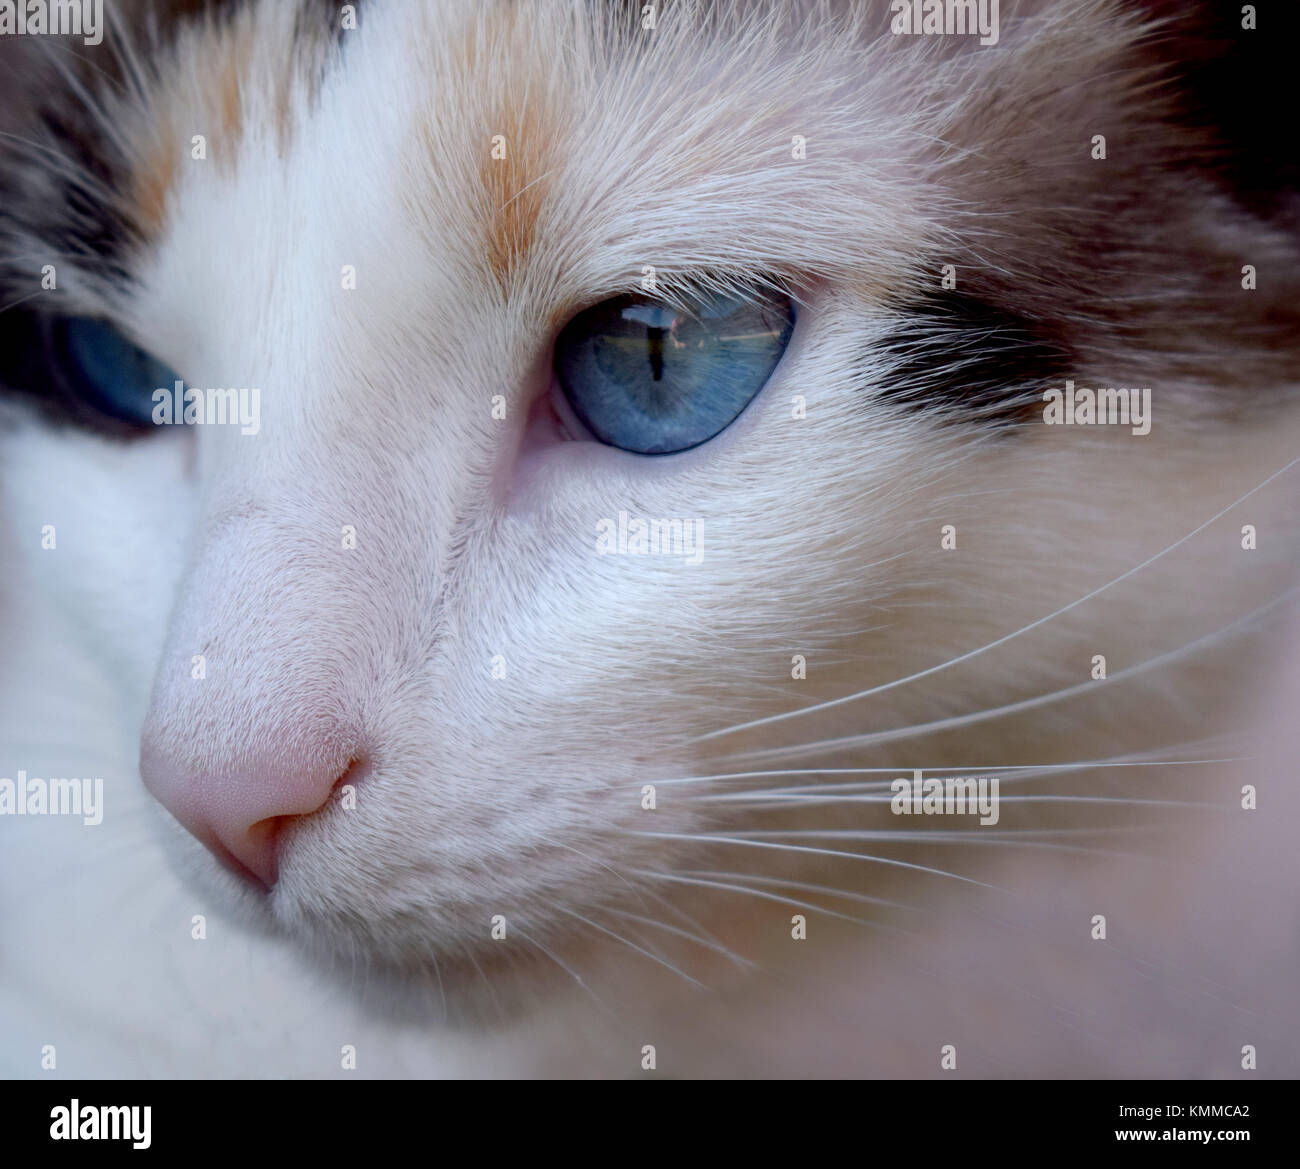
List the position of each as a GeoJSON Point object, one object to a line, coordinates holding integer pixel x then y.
{"type": "Point", "coordinates": [1021, 770]}
{"type": "Point", "coordinates": [679, 878]}
{"type": "Point", "coordinates": [963, 720]}
{"type": "Point", "coordinates": [831, 890]}
{"type": "Point", "coordinates": [974, 653]}
{"type": "Point", "coordinates": [703, 838]}
{"type": "Point", "coordinates": [567, 970]}
{"type": "Point", "coordinates": [633, 945]}
{"type": "Point", "coordinates": [663, 925]}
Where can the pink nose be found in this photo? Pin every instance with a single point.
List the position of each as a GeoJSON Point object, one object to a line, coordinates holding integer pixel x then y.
{"type": "Point", "coordinates": [237, 811]}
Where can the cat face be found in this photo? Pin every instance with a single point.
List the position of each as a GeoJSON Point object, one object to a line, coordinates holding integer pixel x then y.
{"type": "Point", "coordinates": [403, 656]}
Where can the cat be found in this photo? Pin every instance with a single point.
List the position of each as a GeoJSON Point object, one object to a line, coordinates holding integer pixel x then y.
{"type": "Point", "coordinates": [369, 369]}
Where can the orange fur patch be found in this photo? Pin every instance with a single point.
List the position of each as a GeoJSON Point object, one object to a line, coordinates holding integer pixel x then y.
{"type": "Point", "coordinates": [152, 182]}
{"type": "Point", "coordinates": [206, 91]}
{"type": "Point", "coordinates": [516, 189]}
{"type": "Point", "coordinates": [529, 121]}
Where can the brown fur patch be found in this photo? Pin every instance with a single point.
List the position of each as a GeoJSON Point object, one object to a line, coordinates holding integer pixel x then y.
{"type": "Point", "coordinates": [232, 110]}
{"type": "Point", "coordinates": [528, 119]}
{"type": "Point", "coordinates": [516, 189]}
{"type": "Point", "coordinates": [207, 86]}
{"type": "Point", "coordinates": [218, 115]}
{"type": "Point", "coordinates": [152, 182]}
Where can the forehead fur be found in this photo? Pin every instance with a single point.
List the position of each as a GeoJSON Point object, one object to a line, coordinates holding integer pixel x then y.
{"type": "Point", "coordinates": [577, 148]}
{"type": "Point", "coordinates": [621, 146]}
{"type": "Point", "coordinates": [550, 152]}
{"type": "Point", "coordinates": [673, 146]}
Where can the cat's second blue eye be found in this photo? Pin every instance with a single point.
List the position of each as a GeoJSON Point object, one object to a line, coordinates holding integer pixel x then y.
{"type": "Point", "coordinates": [654, 378]}
{"type": "Point", "coordinates": [105, 372]}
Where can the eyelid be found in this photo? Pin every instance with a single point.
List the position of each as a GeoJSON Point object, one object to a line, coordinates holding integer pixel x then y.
{"type": "Point", "coordinates": [680, 290]}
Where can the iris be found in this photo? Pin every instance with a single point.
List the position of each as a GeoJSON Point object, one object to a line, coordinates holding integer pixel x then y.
{"type": "Point", "coordinates": [105, 372]}
{"type": "Point", "coordinates": [652, 377]}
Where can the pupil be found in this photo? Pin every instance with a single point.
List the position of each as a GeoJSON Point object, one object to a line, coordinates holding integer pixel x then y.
{"type": "Point", "coordinates": [656, 338]}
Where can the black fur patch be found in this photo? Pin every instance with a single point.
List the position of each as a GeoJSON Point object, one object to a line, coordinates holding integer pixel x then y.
{"type": "Point", "coordinates": [70, 214]}
{"type": "Point", "coordinates": [61, 176]}
{"type": "Point", "coordinates": [958, 354]}
{"type": "Point", "coordinates": [1239, 83]}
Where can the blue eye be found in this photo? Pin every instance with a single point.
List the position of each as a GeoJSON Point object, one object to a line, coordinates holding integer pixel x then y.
{"type": "Point", "coordinates": [655, 378]}
{"type": "Point", "coordinates": [104, 372]}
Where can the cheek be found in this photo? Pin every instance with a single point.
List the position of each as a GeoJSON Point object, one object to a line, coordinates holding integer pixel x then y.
{"type": "Point", "coordinates": [100, 527]}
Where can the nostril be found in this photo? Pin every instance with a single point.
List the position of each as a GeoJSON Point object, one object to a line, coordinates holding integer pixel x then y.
{"type": "Point", "coordinates": [357, 769]}
{"type": "Point", "coordinates": [265, 878]}
{"type": "Point", "coordinates": [259, 855]}
{"type": "Point", "coordinates": [239, 808]}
